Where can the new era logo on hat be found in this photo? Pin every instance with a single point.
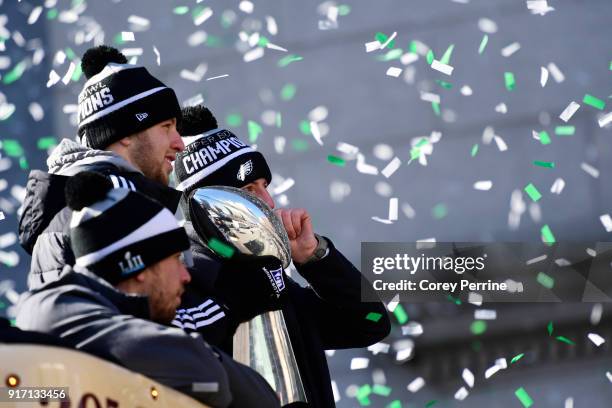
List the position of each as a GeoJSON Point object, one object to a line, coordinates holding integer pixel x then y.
{"type": "Point", "coordinates": [142, 116]}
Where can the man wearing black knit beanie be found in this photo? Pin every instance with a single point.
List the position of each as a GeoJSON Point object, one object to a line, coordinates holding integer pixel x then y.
{"type": "Point", "coordinates": [326, 315]}
{"type": "Point", "coordinates": [127, 122]}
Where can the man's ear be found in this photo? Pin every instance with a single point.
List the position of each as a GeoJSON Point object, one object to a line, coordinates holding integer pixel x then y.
{"type": "Point", "coordinates": [126, 141]}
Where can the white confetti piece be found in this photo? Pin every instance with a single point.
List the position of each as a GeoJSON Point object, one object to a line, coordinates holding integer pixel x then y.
{"type": "Point", "coordinates": [8, 239]}
{"type": "Point", "coordinates": [347, 148]}
{"type": "Point", "coordinates": [382, 220]}
{"type": "Point", "coordinates": [284, 186]}
{"type": "Point", "coordinates": [394, 72]}
{"type": "Point", "coordinates": [2, 216]}
{"type": "Point", "coordinates": [468, 377]}
{"type": "Point", "coordinates": [203, 16]}
{"type": "Point", "coordinates": [408, 58]}
{"type": "Point", "coordinates": [569, 403]}
{"type": "Point", "coordinates": [383, 151]}
{"type": "Point", "coordinates": [408, 210]}
{"type": "Point", "coordinates": [271, 25]}
{"type": "Point", "coordinates": [543, 76]}
{"type": "Point", "coordinates": [195, 75]}
{"type": "Point", "coordinates": [590, 170]}
{"type": "Point", "coordinates": [359, 363]}
{"type": "Point", "coordinates": [605, 120]}
{"type": "Point", "coordinates": [501, 363]}
{"type": "Point", "coordinates": [483, 185]}
{"type": "Point", "coordinates": [391, 38]}
{"type": "Point", "coordinates": [466, 90]}
{"type": "Point", "coordinates": [246, 7]}
{"type": "Point", "coordinates": [416, 384]}
{"type": "Point", "coordinates": [556, 72]}
{"type": "Point", "coordinates": [596, 313]}
{"type": "Point", "coordinates": [609, 375]}
{"type": "Point", "coordinates": [540, 7]}
{"type": "Point", "coordinates": [561, 262]}
{"type": "Point", "coordinates": [132, 52]}
{"type": "Point", "coordinates": [426, 243]}
{"type": "Point", "coordinates": [378, 348]}
{"type": "Point", "coordinates": [217, 77]}
{"type": "Point", "coordinates": [253, 54]}
{"type": "Point", "coordinates": [197, 38]}
{"type": "Point", "coordinates": [475, 298]}
{"type": "Point", "coordinates": [11, 259]}
{"type": "Point", "coordinates": [569, 111]}
{"type": "Point", "coordinates": [391, 167]}
{"type": "Point", "coordinates": [127, 36]}
{"type": "Point", "coordinates": [405, 350]}
{"type": "Point", "coordinates": [335, 391]}
{"type": "Point", "coordinates": [492, 371]}
{"type": "Point", "coordinates": [363, 167]}
{"type": "Point", "coordinates": [501, 144]}
{"type": "Point", "coordinates": [372, 46]}
{"type": "Point", "coordinates": [461, 394]}
{"type": "Point", "coordinates": [485, 314]}
{"type": "Point", "coordinates": [501, 108]}
{"type": "Point", "coordinates": [430, 97]}
{"type": "Point", "coordinates": [157, 55]}
{"type": "Point", "coordinates": [139, 21]}
{"type": "Point", "coordinates": [34, 14]}
{"type": "Point", "coordinates": [558, 186]}
{"type": "Point", "coordinates": [53, 79]}
{"type": "Point", "coordinates": [412, 329]}
{"type": "Point", "coordinates": [488, 134]}
{"type": "Point", "coordinates": [316, 133]}
{"type": "Point", "coordinates": [68, 74]}
{"type": "Point", "coordinates": [487, 26]}
{"type": "Point", "coordinates": [596, 339]}
{"type": "Point", "coordinates": [383, 189]}
{"type": "Point", "coordinates": [606, 220]}
{"type": "Point", "coordinates": [510, 49]}
{"type": "Point", "coordinates": [5, 62]}
{"type": "Point", "coordinates": [393, 303]}
{"type": "Point", "coordinates": [36, 111]}
{"type": "Point", "coordinates": [536, 259]}
{"type": "Point", "coordinates": [443, 68]}
{"type": "Point", "coordinates": [591, 252]}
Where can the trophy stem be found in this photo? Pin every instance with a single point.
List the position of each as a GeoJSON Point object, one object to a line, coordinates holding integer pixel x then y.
{"type": "Point", "coordinates": [263, 344]}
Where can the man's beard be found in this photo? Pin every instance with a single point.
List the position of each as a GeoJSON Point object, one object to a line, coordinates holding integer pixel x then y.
{"type": "Point", "coordinates": [150, 168]}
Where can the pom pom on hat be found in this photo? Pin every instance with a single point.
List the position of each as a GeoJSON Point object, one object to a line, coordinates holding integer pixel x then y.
{"type": "Point", "coordinates": [95, 59]}
{"type": "Point", "coordinates": [85, 189]}
{"type": "Point", "coordinates": [196, 120]}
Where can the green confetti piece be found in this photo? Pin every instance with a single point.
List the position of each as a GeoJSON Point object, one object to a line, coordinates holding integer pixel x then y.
{"type": "Point", "coordinates": [533, 192]}
{"type": "Point", "coordinates": [374, 317]}
{"type": "Point", "coordinates": [565, 130]}
{"type": "Point", "coordinates": [400, 314]}
{"type": "Point", "coordinates": [430, 56]}
{"type": "Point", "coordinates": [545, 280]}
{"type": "Point", "coordinates": [288, 92]}
{"type": "Point", "coordinates": [483, 43]}
{"type": "Point", "coordinates": [510, 81]}
{"type": "Point", "coordinates": [338, 161]}
{"type": "Point", "coordinates": [565, 340]}
{"type": "Point", "coordinates": [362, 394]}
{"type": "Point", "coordinates": [254, 130]}
{"type": "Point", "coordinates": [23, 164]}
{"type": "Point", "coordinates": [52, 14]}
{"type": "Point", "coordinates": [431, 403]}
{"type": "Point", "coordinates": [283, 62]}
{"type": "Point", "coordinates": [544, 137]}
{"type": "Point", "coordinates": [610, 66]}
{"type": "Point", "coordinates": [456, 301]}
{"type": "Point", "coordinates": [478, 327]}
{"type": "Point", "coordinates": [382, 38]}
{"type": "Point", "coordinates": [76, 75]}
{"type": "Point", "coordinates": [76, 3]}
{"type": "Point", "coordinates": [413, 47]}
{"type": "Point", "coordinates": [344, 10]}
{"type": "Point", "coordinates": [305, 127]}
{"type": "Point", "coordinates": [439, 211]}
{"type": "Point", "coordinates": [12, 148]}
{"type": "Point", "coordinates": [391, 55]}
{"type": "Point", "coordinates": [15, 73]}
{"type": "Point", "coordinates": [522, 396]}
{"type": "Point", "coordinates": [45, 143]}
{"type": "Point", "coordinates": [233, 120]}
{"type": "Point", "coordinates": [383, 390]}
{"type": "Point", "coordinates": [474, 150]}
{"type": "Point", "coordinates": [395, 404]}
{"type": "Point", "coordinates": [550, 328]}
{"type": "Point", "coordinates": [13, 322]}
{"type": "Point", "coordinates": [300, 145]}
{"type": "Point", "coordinates": [221, 248]}
{"type": "Point", "coordinates": [195, 13]}
{"type": "Point", "coordinates": [70, 54]}
{"type": "Point", "coordinates": [436, 108]}
{"type": "Point", "coordinates": [2, 305]}
{"type": "Point", "coordinates": [118, 39]}
{"type": "Point", "coordinates": [516, 358]}
{"type": "Point", "coordinates": [550, 165]}
{"type": "Point", "coordinates": [447, 54]}
{"type": "Point", "coordinates": [263, 41]}
{"type": "Point", "coordinates": [547, 235]}
{"type": "Point", "coordinates": [214, 41]}
{"type": "Point", "coordinates": [278, 120]}
{"type": "Point", "coordinates": [594, 102]}
{"type": "Point", "coordinates": [444, 84]}
{"type": "Point", "coordinates": [180, 10]}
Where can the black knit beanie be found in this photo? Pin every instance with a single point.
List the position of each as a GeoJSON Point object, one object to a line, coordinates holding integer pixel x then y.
{"type": "Point", "coordinates": [117, 233]}
{"type": "Point", "coordinates": [119, 99]}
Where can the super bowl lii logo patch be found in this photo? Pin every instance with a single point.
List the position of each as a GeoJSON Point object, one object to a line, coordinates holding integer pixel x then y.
{"type": "Point", "coordinates": [277, 274]}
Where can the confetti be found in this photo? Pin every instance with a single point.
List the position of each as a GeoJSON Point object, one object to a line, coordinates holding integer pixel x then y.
{"type": "Point", "coordinates": [475, 299]}
{"type": "Point", "coordinates": [487, 25]}
{"type": "Point", "coordinates": [254, 129]}
{"type": "Point", "coordinates": [373, 316]}
{"type": "Point", "coordinates": [431, 403]}
{"type": "Point", "coordinates": [606, 221]}
{"type": "Point", "coordinates": [338, 161]}
{"type": "Point", "coordinates": [378, 348]}
{"type": "Point", "coordinates": [372, 46]}
{"type": "Point", "coordinates": [14, 74]}
{"type": "Point", "coordinates": [359, 363]}
{"type": "Point", "coordinates": [253, 54]}
{"type": "Point", "coordinates": [483, 43]}
{"type": "Point", "coordinates": [594, 102]}
{"type": "Point", "coordinates": [474, 150]}
{"type": "Point", "coordinates": [412, 329]}
{"type": "Point", "coordinates": [543, 137]}
{"type": "Point", "coordinates": [393, 303]}
{"type": "Point", "coordinates": [416, 384]}
{"type": "Point", "coordinates": [565, 130]}
{"type": "Point", "coordinates": [501, 108]}
{"type": "Point", "coordinates": [550, 328]}
{"type": "Point", "coordinates": [430, 97]}
{"type": "Point", "coordinates": [383, 390]}
{"type": "Point", "coordinates": [127, 36]}
{"type": "Point", "coordinates": [478, 327]}
{"type": "Point", "coordinates": [466, 90]}
{"type": "Point", "coordinates": [363, 167]}
{"type": "Point", "coordinates": [609, 375]}
{"type": "Point", "coordinates": [246, 6]}
{"type": "Point", "coordinates": [484, 185]}
{"type": "Point", "coordinates": [543, 76]}
{"type": "Point", "coordinates": [549, 165]}
{"type": "Point", "coordinates": [565, 340]}
{"type": "Point", "coordinates": [461, 394]}
{"type": "Point", "coordinates": [484, 314]}
{"type": "Point", "coordinates": [391, 167]}
{"type": "Point", "coordinates": [590, 170]}
{"type": "Point", "coordinates": [569, 111]}
{"type": "Point", "coordinates": [558, 186]}
{"type": "Point", "coordinates": [443, 68]}
{"type": "Point", "coordinates": [533, 192]}
{"type": "Point", "coordinates": [202, 16]}
{"type": "Point", "coordinates": [221, 248]}
{"type": "Point", "coordinates": [510, 49]}
{"type": "Point", "coordinates": [408, 58]}
{"type": "Point", "coordinates": [139, 21]}
{"type": "Point", "coordinates": [523, 397]}
{"type": "Point", "coordinates": [516, 358]}
{"type": "Point", "coordinates": [556, 73]}
{"type": "Point", "coordinates": [510, 81]}
{"type": "Point", "coordinates": [400, 314]}
{"type": "Point", "coordinates": [389, 41]}
{"type": "Point", "coordinates": [180, 10]}
{"type": "Point", "coordinates": [547, 235]}
{"type": "Point", "coordinates": [283, 62]}
{"type": "Point", "coordinates": [394, 72]}
{"type": "Point", "coordinates": [605, 120]}
{"type": "Point", "coordinates": [468, 377]}
{"type": "Point", "coordinates": [596, 339]}
{"type": "Point", "coordinates": [382, 38]}
{"type": "Point", "coordinates": [545, 280]}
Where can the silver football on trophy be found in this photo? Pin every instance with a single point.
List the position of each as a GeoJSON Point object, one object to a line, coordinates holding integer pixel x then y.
{"type": "Point", "coordinates": [241, 219]}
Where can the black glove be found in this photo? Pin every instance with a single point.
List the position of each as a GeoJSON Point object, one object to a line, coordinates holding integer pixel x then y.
{"type": "Point", "coordinates": [251, 286]}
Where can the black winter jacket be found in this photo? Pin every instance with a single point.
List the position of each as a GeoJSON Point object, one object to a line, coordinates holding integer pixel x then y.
{"type": "Point", "coordinates": [327, 315]}
{"type": "Point", "coordinates": [44, 226]}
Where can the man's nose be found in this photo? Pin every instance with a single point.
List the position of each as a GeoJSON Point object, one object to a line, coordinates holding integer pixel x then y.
{"type": "Point", "coordinates": [185, 276]}
{"type": "Point", "coordinates": [177, 141]}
